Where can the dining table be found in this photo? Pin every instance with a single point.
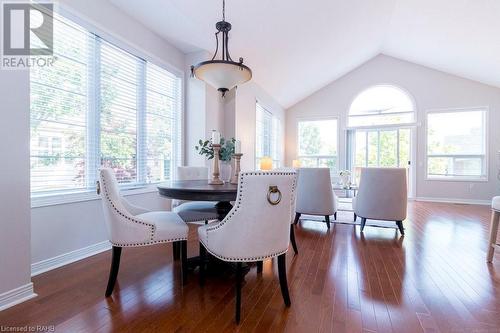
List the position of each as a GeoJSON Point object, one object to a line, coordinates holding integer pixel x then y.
{"type": "Point", "coordinates": [201, 190]}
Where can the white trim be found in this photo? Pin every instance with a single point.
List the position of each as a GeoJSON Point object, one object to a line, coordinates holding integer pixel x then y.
{"type": "Point", "coordinates": [67, 198]}
{"type": "Point", "coordinates": [482, 178]}
{"type": "Point", "coordinates": [455, 201]}
{"type": "Point", "coordinates": [68, 258]}
{"type": "Point", "coordinates": [16, 296]}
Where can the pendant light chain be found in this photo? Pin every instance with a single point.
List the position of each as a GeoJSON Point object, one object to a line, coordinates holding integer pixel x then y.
{"type": "Point", "coordinates": [223, 10]}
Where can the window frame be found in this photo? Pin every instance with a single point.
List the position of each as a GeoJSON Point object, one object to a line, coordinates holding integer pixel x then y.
{"type": "Point", "coordinates": [387, 85]}
{"type": "Point", "coordinates": [318, 118]}
{"type": "Point", "coordinates": [57, 197]}
{"type": "Point", "coordinates": [485, 157]}
{"type": "Point", "coordinates": [279, 148]}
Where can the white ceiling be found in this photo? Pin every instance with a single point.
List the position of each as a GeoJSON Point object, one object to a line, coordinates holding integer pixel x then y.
{"type": "Point", "coordinates": [296, 47]}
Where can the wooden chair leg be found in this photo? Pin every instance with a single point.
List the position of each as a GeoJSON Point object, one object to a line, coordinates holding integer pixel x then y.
{"type": "Point", "coordinates": [203, 254]}
{"type": "Point", "coordinates": [113, 272]}
{"type": "Point", "coordinates": [184, 268]}
{"type": "Point", "coordinates": [283, 281]}
{"type": "Point", "coordinates": [327, 219]}
{"type": "Point", "coordinates": [260, 266]}
{"type": "Point", "coordinates": [335, 216]}
{"type": "Point", "coordinates": [355, 217]}
{"type": "Point", "coordinates": [297, 217]}
{"type": "Point", "coordinates": [495, 219]}
{"type": "Point", "coordinates": [292, 239]}
{"type": "Point", "coordinates": [363, 222]}
{"type": "Point", "coordinates": [239, 278]}
{"type": "Point", "coordinates": [176, 250]}
{"type": "Point", "coordinates": [400, 227]}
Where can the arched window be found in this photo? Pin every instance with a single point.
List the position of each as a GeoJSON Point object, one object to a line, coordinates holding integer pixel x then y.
{"type": "Point", "coordinates": [382, 105]}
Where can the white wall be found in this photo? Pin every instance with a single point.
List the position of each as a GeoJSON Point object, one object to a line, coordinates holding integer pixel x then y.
{"type": "Point", "coordinates": [59, 229]}
{"type": "Point", "coordinates": [432, 90]}
{"type": "Point", "coordinates": [204, 111]}
{"type": "Point", "coordinates": [14, 181]}
{"type": "Point", "coordinates": [245, 118]}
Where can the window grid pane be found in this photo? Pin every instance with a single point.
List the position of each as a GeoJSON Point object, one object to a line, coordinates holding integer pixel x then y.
{"type": "Point", "coordinates": [318, 144]}
{"type": "Point", "coordinates": [456, 151]}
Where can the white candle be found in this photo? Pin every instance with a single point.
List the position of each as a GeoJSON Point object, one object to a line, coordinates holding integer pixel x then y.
{"type": "Point", "coordinates": [237, 147]}
{"type": "Point", "coordinates": [215, 137]}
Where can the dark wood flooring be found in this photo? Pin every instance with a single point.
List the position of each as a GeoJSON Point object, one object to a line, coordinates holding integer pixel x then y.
{"type": "Point", "coordinates": [435, 279]}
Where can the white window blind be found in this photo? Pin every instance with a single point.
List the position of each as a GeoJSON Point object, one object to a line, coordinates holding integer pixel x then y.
{"type": "Point", "coordinates": [163, 144]}
{"type": "Point", "coordinates": [267, 136]}
{"type": "Point", "coordinates": [100, 105]}
{"type": "Point", "coordinates": [456, 144]}
{"type": "Point", "coordinates": [59, 105]}
{"type": "Point", "coordinates": [120, 79]}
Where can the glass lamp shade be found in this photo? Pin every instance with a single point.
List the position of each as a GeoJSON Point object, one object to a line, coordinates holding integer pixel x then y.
{"type": "Point", "coordinates": [222, 75]}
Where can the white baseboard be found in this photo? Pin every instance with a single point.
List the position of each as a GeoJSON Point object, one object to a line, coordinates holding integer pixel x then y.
{"type": "Point", "coordinates": [16, 296]}
{"type": "Point", "coordinates": [455, 201]}
{"type": "Point", "coordinates": [68, 258]}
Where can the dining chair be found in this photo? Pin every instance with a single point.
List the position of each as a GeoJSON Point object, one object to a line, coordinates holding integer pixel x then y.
{"type": "Point", "coordinates": [315, 195]}
{"type": "Point", "coordinates": [194, 211]}
{"type": "Point", "coordinates": [382, 195]}
{"type": "Point", "coordinates": [495, 220]}
{"type": "Point", "coordinates": [257, 227]}
{"type": "Point", "coordinates": [132, 226]}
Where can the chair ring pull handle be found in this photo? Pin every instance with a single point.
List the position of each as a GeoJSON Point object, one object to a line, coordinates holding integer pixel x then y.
{"type": "Point", "coordinates": [272, 190]}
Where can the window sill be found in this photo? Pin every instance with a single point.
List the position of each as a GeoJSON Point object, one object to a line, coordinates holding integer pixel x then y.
{"type": "Point", "coordinates": [458, 179]}
{"type": "Point", "coordinates": [69, 198]}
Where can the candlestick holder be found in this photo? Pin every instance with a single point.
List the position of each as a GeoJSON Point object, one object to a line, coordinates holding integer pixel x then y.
{"type": "Point", "coordinates": [237, 168]}
{"type": "Point", "coordinates": [215, 170]}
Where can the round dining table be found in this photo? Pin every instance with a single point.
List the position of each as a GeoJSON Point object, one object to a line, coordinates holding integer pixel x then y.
{"type": "Point", "coordinates": [200, 190]}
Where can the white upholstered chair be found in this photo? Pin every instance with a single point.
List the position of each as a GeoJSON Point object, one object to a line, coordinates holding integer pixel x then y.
{"type": "Point", "coordinates": [194, 211]}
{"type": "Point", "coordinates": [132, 226]}
{"type": "Point", "coordinates": [495, 219]}
{"type": "Point", "coordinates": [315, 195]}
{"type": "Point", "coordinates": [382, 195]}
{"type": "Point", "coordinates": [256, 228]}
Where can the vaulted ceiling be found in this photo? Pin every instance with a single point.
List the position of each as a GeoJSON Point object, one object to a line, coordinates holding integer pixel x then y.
{"type": "Point", "coordinates": [296, 47]}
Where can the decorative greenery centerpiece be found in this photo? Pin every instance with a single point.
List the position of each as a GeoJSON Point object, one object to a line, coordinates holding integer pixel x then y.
{"type": "Point", "coordinates": [226, 149]}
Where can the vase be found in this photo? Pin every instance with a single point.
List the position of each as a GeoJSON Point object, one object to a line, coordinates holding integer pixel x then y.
{"type": "Point", "coordinates": [345, 181]}
{"type": "Point", "coordinates": [225, 170]}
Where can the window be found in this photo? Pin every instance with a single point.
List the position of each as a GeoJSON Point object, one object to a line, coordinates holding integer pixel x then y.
{"type": "Point", "coordinates": [318, 144]}
{"type": "Point", "coordinates": [267, 136]}
{"type": "Point", "coordinates": [381, 105]}
{"type": "Point", "coordinates": [456, 144]}
{"type": "Point", "coordinates": [100, 105]}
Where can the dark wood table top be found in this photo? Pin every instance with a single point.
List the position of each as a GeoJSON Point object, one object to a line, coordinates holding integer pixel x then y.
{"type": "Point", "coordinates": [198, 190]}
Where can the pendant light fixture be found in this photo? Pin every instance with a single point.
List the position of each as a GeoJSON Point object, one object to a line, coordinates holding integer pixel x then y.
{"type": "Point", "coordinates": [223, 74]}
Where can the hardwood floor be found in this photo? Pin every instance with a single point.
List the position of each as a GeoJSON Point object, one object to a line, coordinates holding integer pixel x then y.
{"type": "Point", "coordinates": [435, 279]}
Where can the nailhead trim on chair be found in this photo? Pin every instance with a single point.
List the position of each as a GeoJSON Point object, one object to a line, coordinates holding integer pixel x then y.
{"type": "Point", "coordinates": [153, 227]}
{"type": "Point", "coordinates": [237, 205]}
{"type": "Point", "coordinates": [249, 259]}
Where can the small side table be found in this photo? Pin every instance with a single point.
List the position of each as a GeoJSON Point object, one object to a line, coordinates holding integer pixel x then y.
{"type": "Point", "coordinates": [495, 219]}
